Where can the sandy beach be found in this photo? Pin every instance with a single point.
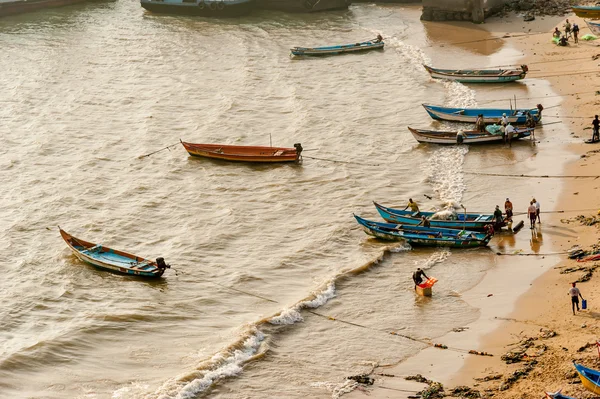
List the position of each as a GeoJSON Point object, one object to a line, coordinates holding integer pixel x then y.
{"type": "Point", "coordinates": [525, 295]}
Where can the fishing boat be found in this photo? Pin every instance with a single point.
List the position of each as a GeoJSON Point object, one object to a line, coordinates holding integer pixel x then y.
{"type": "Point", "coordinates": [374, 44]}
{"type": "Point", "coordinates": [490, 115]}
{"type": "Point", "coordinates": [478, 75]}
{"type": "Point", "coordinates": [303, 6]}
{"type": "Point", "coordinates": [424, 236]}
{"type": "Point", "coordinates": [203, 8]}
{"type": "Point", "coordinates": [244, 153]}
{"type": "Point", "coordinates": [590, 379]}
{"type": "Point", "coordinates": [464, 137]}
{"type": "Point", "coordinates": [594, 27]}
{"type": "Point", "coordinates": [557, 395]}
{"type": "Point", "coordinates": [463, 221]}
{"type": "Point", "coordinates": [587, 11]}
{"type": "Point", "coordinates": [113, 260]}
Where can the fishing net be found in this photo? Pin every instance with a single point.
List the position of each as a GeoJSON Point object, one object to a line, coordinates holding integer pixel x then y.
{"type": "Point", "coordinates": [589, 36]}
{"type": "Point", "coordinates": [494, 129]}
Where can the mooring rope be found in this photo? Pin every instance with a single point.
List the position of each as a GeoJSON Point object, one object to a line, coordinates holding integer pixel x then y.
{"type": "Point", "coordinates": [337, 161]}
{"type": "Point", "coordinates": [534, 176]}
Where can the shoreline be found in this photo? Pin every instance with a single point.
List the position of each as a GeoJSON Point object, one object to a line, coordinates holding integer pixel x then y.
{"type": "Point", "coordinates": [502, 319]}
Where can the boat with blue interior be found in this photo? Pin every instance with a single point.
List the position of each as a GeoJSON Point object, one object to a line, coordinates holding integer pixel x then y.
{"type": "Point", "coordinates": [111, 259]}
{"type": "Point", "coordinates": [557, 395]}
{"type": "Point", "coordinates": [590, 378]}
{"type": "Point", "coordinates": [490, 115]}
{"type": "Point", "coordinates": [374, 44]}
{"type": "Point", "coordinates": [465, 136]}
{"type": "Point", "coordinates": [587, 11]}
{"type": "Point", "coordinates": [424, 236]}
{"type": "Point", "coordinates": [203, 8]}
{"type": "Point", "coordinates": [444, 219]}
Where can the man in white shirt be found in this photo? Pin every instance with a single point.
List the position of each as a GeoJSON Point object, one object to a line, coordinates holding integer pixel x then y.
{"type": "Point", "coordinates": [531, 214]}
{"type": "Point", "coordinates": [510, 130]}
{"type": "Point", "coordinates": [504, 120]}
{"type": "Point", "coordinates": [537, 210]}
{"type": "Point", "coordinates": [575, 295]}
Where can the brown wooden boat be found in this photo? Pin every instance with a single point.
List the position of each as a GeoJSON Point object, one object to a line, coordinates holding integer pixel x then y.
{"type": "Point", "coordinates": [244, 153]}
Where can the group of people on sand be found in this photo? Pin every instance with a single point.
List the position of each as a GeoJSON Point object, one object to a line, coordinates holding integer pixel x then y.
{"type": "Point", "coordinates": [570, 30]}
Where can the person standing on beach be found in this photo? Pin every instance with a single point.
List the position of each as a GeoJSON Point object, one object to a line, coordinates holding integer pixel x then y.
{"type": "Point", "coordinates": [537, 210]}
{"type": "Point", "coordinates": [498, 215]}
{"type": "Point", "coordinates": [567, 26]}
{"type": "Point", "coordinates": [510, 131]}
{"type": "Point", "coordinates": [576, 33]}
{"type": "Point", "coordinates": [508, 208]}
{"type": "Point", "coordinates": [596, 125]}
{"type": "Point", "coordinates": [413, 206]}
{"type": "Point", "coordinates": [504, 120]}
{"type": "Point", "coordinates": [575, 295]}
{"type": "Point", "coordinates": [531, 213]}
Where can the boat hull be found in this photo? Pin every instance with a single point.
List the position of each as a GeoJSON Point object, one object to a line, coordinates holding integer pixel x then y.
{"type": "Point", "coordinates": [587, 12]}
{"type": "Point", "coordinates": [470, 137]}
{"type": "Point", "coordinates": [218, 9]}
{"type": "Point", "coordinates": [476, 222]}
{"type": "Point", "coordinates": [303, 6]}
{"type": "Point", "coordinates": [335, 50]}
{"type": "Point", "coordinates": [590, 379]}
{"type": "Point", "coordinates": [594, 27]}
{"type": "Point", "coordinates": [490, 115]}
{"type": "Point", "coordinates": [252, 154]}
{"type": "Point", "coordinates": [422, 236]}
{"type": "Point", "coordinates": [24, 6]}
{"type": "Point", "coordinates": [110, 259]}
{"type": "Point", "coordinates": [474, 76]}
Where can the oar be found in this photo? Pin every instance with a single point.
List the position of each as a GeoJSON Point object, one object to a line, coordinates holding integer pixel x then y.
{"type": "Point", "coordinates": [162, 149]}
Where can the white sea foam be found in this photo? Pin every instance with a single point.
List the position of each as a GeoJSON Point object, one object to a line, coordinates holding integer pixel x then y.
{"type": "Point", "coordinates": [228, 363]}
{"type": "Point", "coordinates": [445, 173]}
{"type": "Point", "coordinates": [292, 315]}
{"type": "Point", "coordinates": [337, 389]}
{"type": "Point", "coordinates": [413, 54]}
{"type": "Point", "coordinates": [437, 257]}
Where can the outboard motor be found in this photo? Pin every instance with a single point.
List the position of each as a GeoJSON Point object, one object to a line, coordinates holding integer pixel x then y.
{"type": "Point", "coordinates": [160, 262]}
{"type": "Point", "coordinates": [525, 68]}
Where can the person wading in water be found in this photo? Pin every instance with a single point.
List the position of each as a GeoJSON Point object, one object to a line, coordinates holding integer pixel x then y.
{"type": "Point", "coordinates": [418, 277]}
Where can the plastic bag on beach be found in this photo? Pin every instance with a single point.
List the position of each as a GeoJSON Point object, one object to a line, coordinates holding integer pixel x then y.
{"type": "Point", "coordinates": [589, 36]}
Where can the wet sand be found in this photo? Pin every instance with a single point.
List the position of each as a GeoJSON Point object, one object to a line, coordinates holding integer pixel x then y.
{"type": "Point", "coordinates": [524, 294]}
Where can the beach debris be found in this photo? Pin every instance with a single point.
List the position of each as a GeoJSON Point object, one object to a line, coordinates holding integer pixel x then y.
{"type": "Point", "coordinates": [585, 276]}
{"type": "Point", "coordinates": [489, 295]}
{"type": "Point", "coordinates": [460, 329]}
{"type": "Point", "coordinates": [546, 333]}
{"type": "Point", "coordinates": [586, 346]}
{"type": "Point", "coordinates": [435, 390]}
{"type": "Point", "coordinates": [527, 18]}
{"type": "Point", "coordinates": [514, 356]}
{"type": "Point", "coordinates": [465, 392]}
{"type": "Point", "coordinates": [516, 375]}
{"type": "Point", "coordinates": [480, 353]}
{"type": "Point", "coordinates": [583, 325]}
{"type": "Point", "coordinates": [362, 379]}
{"type": "Point", "coordinates": [491, 377]}
{"type": "Point", "coordinates": [441, 346]}
{"type": "Point", "coordinates": [418, 378]}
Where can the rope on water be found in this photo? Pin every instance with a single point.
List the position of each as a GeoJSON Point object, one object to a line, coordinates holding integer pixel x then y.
{"type": "Point", "coordinates": [532, 254]}
{"type": "Point", "coordinates": [336, 161]}
{"type": "Point", "coordinates": [162, 149]}
{"type": "Point", "coordinates": [245, 292]}
{"type": "Point", "coordinates": [542, 97]}
{"type": "Point", "coordinates": [535, 176]}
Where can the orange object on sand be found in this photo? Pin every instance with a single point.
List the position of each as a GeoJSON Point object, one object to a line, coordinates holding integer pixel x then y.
{"type": "Point", "coordinates": [428, 283]}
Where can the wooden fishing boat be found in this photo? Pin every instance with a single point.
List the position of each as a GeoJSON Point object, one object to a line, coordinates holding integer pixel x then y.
{"type": "Point", "coordinates": [587, 11]}
{"type": "Point", "coordinates": [203, 8]}
{"type": "Point", "coordinates": [465, 137]}
{"type": "Point", "coordinates": [490, 115]}
{"type": "Point", "coordinates": [590, 379]}
{"type": "Point", "coordinates": [113, 260]}
{"type": "Point", "coordinates": [424, 236]}
{"type": "Point", "coordinates": [463, 221]}
{"type": "Point", "coordinates": [594, 27]}
{"type": "Point", "coordinates": [557, 395]}
{"type": "Point", "coordinates": [374, 44]}
{"type": "Point", "coordinates": [244, 153]}
{"type": "Point", "coordinates": [478, 75]}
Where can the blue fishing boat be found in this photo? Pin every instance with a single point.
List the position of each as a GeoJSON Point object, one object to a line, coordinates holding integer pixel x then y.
{"type": "Point", "coordinates": [590, 379]}
{"type": "Point", "coordinates": [113, 260]}
{"type": "Point", "coordinates": [424, 236]}
{"type": "Point", "coordinates": [478, 75]}
{"type": "Point", "coordinates": [464, 221]}
{"type": "Point", "coordinates": [557, 395]}
{"type": "Point", "coordinates": [587, 11]}
{"type": "Point", "coordinates": [490, 115]}
{"type": "Point", "coordinates": [375, 44]}
{"type": "Point", "coordinates": [203, 8]}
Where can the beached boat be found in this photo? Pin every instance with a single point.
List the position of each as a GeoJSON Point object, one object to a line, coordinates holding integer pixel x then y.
{"type": "Point", "coordinates": [113, 260]}
{"type": "Point", "coordinates": [557, 395]}
{"type": "Point", "coordinates": [587, 11]}
{"type": "Point", "coordinates": [594, 27]}
{"type": "Point", "coordinates": [424, 236]}
{"type": "Point", "coordinates": [374, 44]}
{"type": "Point", "coordinates": [303, 6]}
{"type": "Point", "coordinates": [478, 75]}
{"type": "Point", "coordinates": [590, 379]}
{"type": "Point", "coordinates": [203, 8]}
{"type": "Point", "coordinates": [466, 136]}
{"type": "Point", "coordinates": [462, 221]}
{"type": "Point", "coordinates": [244, 153]}
{"type": "Point", "coordinates": [490, 115]}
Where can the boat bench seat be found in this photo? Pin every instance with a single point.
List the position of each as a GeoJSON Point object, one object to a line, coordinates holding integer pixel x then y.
{"type": "Point", "coordinates": [483, 218]}
{"type": "Point", "coordinates": [415, 214]}
{"type": "Point", "coordinates": [92, 249]}
{"type": "Point", "coordinates": [277, 153]}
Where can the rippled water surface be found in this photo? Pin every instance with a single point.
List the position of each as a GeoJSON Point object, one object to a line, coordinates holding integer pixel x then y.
{"type": "Point", "coordinates": [88, 89]}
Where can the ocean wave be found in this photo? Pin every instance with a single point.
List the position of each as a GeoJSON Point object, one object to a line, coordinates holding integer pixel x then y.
{"type": "Point", "coordinates": [292, 315]}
